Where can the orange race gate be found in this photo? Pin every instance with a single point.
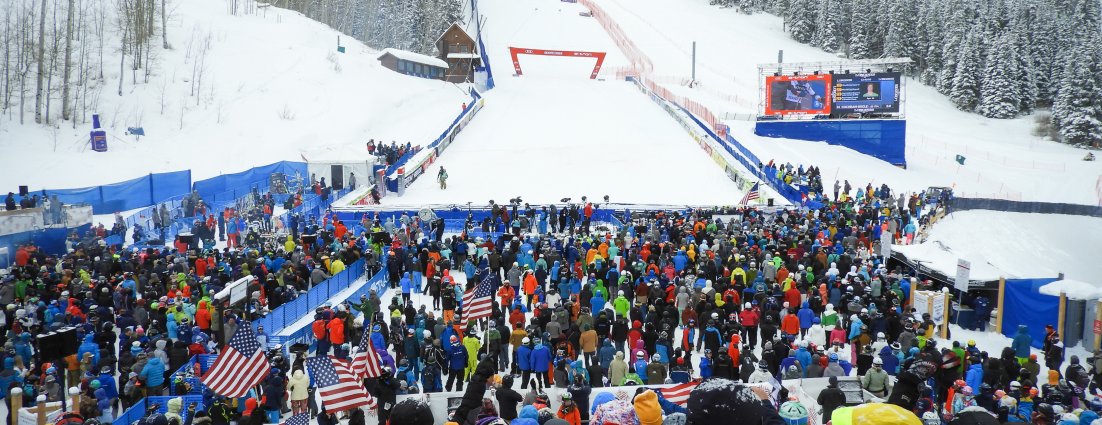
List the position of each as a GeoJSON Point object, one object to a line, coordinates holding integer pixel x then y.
{"type": "Point", "coordinates": [514, 51]}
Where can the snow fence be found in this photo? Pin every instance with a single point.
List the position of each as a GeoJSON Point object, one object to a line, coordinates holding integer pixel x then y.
{"type": "Point", "coordinates": [413, 164]}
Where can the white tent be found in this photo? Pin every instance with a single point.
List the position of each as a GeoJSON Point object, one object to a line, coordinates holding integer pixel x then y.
{"type": "Point", "coordinates": [337, 164]}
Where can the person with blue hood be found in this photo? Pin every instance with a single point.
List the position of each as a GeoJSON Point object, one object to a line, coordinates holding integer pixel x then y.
{"type": "Point", "coordinates": [1021, 344]}
{"type": "Point", "coordinates": [8, 376]}
{"type": "Point", "coordinates": [606, 354]}
{"type": "Point", "coordinates": [540, 361]}
{"type": "Point", "coordinates": [805, 315]}
{"type": "Point", "coordinates": [528, 416]}
{"type": "Point", "coordinates": [597, 303]}
{"type": "Point", "coordinates": [153, 374]}
{"type": "Point", "coordinates": [23, 347]}
{"type": "Point", "coordinates": [407, 286]}
{"type": "Point", "coordinates": [88, 346]}
{"type": "Point", "coordinates": [377, 338]}
{"type": "Point", "coordinates": [804, 357]}
{"type": "Point", "coordinates": [577, 368]}
{"type": "Point", "coordinates": [854, 327]}
{"type": "Point", "coordinates": [680, 261]}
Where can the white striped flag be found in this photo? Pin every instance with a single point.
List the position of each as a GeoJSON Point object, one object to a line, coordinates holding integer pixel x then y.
{"type": "Point", "coordinates": [240, 366]}
{"type": "Point", "coordinates": [477, 302]}
{"type": "Point", "coordinates": [679, 394]}
{"type": "Point", "coordinates": [338, 388]}
{"type": "Point", "coordinates": [751, 195]}
{"type": "Point", "coordinates": [366, 363]}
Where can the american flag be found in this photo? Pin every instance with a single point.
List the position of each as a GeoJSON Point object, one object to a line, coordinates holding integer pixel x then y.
{"type": "Point", "coordinates": [679, 394]}
{"type": "Point", "coordinates": [477, 302]}
{"type": "Point", "coordinates": [751, 195]}
{"type": "Point", "coordinates": [339, 389]}
{"type": "Point", "coordinates": [365, 363]}
{"type": "Point", "coordinates": [241, 365]}
{"type": "Point", "coordinates": [299, 419]}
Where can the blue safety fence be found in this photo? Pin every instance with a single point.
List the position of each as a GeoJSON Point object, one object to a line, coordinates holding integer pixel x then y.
{"type": "Point", "coordinates": [312, 206]}
{"type": "Point", "coordinates": [137, 411]}
{"type": "Point", "coordinates": [187, 371]}
{"type": "Point", "coordinates": [482, 47]}
{"type": "Point", "coordinates": [305, 334]}
{"type": "Point", "coordinates": [964, 204]}
{"type": "Point", "coordinates": [882, 139]}
{"type": "Point", "coordinates": [437, 147]}
{"type": "Point", "coordinates": [129, 194]}
{"type": "Point", "coordinates": [49, 240]}
{"type": "Point", "coordinates": [1024, 304]}
{"type": "Point", "coordinates": [231, 186]}
{"type": "Point", "coordinates": [304, 305]}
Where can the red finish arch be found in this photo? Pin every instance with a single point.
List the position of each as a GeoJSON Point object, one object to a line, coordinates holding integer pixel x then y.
{"type": "Point", "coordinates": [514, 51]}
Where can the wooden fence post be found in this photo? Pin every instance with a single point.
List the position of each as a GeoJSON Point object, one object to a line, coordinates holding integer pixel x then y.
{"type": "Point", "coordinates": [16, 402]}
{"type": "Point", "coordinates": [1097, 321]}
{"type": "Point", "coordinates": [999, 312]}
{"type": "Point", "coordinates": [41, 406]}
{"type": "Point", "coordinates": [948, 303]}
{"type": "Point", "coordinates": [1063, 312]}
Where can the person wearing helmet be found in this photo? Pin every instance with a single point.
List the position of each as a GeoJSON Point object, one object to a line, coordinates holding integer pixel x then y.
{"type": "Point", "coordinates": [793, 413]}
{"type": "Point", "coordinates": [876, 379]}
{"type": "Point", "coordinates": [964, 400]}
{"type": "Point", "coordinates": [930, 418]}
{"type": "Point", "coordinates": [761, 375]}
{"type": "Point", "coordinates": [568, 411]}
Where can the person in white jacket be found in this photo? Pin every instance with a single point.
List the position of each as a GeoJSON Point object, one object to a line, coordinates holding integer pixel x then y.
{"type": "Point", "coordinates": [299, 387]}
{"type": "Point", "coordinates": [816, 335]}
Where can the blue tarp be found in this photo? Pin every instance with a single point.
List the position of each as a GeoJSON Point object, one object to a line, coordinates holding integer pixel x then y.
{"type": "Point", "coordinates": [882, 139]}
{"type": "Point", "coordinates": [50, 241]}
{"type": "Point", "coordinates": [127, 195]}
{"type": "Point", "coordinates": [1023, 304]}
{"type": "Point", "coordinates": [227, 186]}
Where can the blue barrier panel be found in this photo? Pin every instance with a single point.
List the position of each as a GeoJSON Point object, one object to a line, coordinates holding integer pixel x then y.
{"type": "Point", "coordinates": [123, 196]}
{"type": "Point", "coordinates": [881, 139]}
{"type": "Point", "coordinates": [244, 180]}
{"type": "Point", "coordinates": [166, 186]}
{"type": "Point", "coordinates": [305, 334]}
{"type": "Point", "coordinates": [133, 414]}
{"type": "Point", "coordinates": [83, 195]}
{"type": "Point", "coordinates": [964, 204]}
{"type": "Point", "coordinates": [50, 241]}
{"type": "Point", "coordinates": [1024, 304]}
{"type": "Point", "coordinates": [290, 312]}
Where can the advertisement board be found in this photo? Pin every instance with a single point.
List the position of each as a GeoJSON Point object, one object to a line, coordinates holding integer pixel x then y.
{"type": "Point", "coordinates": [877, 92]}
{"type": "Point", "coordinates": [797, 94]}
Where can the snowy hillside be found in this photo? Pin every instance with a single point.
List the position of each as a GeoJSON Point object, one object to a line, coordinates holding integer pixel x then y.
{"type": "Point", "coordinates": [1004, 160]}
{"type": "Point", "coordinates": [272, 85]}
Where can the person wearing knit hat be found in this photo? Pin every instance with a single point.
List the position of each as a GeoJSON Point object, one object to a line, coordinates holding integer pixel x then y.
{"type": "Point", "coordinates": [647, 408]}
{"type": "Point", "coordinates": [718, 400]}
{"type": "Point", "coordinates": [411, 412]}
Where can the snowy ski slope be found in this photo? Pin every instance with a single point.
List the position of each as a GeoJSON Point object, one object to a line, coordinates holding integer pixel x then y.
{"type": "Point", "coordinates": [554, 133]}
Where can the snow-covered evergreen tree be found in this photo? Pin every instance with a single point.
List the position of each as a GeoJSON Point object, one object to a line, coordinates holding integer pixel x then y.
{"type": "Point", "coordinates": [900, 41]}
{"type": "Point", "coordinates": [1077, 112]}
{"type": "Point", "coordinates": [802, 15]}
{"type": "Point", "coordinates": [999, 96]}
{"type": "Point", "coordinates": [966, 83]}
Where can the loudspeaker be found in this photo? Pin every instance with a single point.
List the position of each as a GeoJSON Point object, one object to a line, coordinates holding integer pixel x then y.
{"type": "Point", "coordinates": [58, 344]}
{"type": "Point", "coordinates": [185, 237]}
{"type": "Point", "coordinates": [769, 202]}
{"type": "Point", "coordinates": [23, 191]}
{"type": "Point", "coordinates": [309, 240]}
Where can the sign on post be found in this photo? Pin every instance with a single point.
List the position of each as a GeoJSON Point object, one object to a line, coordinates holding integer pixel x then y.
{"type": "Point", "coordinates": [963, 269]}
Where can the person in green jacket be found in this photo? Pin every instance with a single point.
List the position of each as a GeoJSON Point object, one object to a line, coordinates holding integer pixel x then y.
{"type": "Point", "coordinates": [21, 288]}
{"type": "Point", "coordinates": [472, 345]}
{"type": "Point", "coordinates": [621, 305]}
{"type": "Point", "coordinates": [365, 306]}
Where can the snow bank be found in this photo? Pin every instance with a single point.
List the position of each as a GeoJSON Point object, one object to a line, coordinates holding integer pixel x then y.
{"type": "Point", "coordinates": [1074, 289]}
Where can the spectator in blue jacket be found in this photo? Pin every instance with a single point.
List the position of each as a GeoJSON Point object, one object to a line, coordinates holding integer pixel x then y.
{"type": "Point", "coordinates": [1021, 344]}
{"type": "Point", "coordinates": [407, 286]}
{"type": "Point", "coordinates": [457, 362]}
{"type": "Point", "coordinates": [606, 354]}
{"type": "Point", "coordinates": [88, 346]}
{"type": "Point", "coordinates": [430, 376]}
{"type": "Point", "coordinates": [153, 374]}
{"type": "Point", "coordinates": [805, 315]}
{"type": "Point", "coordinates": [523, 360]}
{"type": "Point", "coordinates": [541, 361]}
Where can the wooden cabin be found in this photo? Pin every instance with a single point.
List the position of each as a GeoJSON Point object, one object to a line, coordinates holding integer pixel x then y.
{"type": "Point", "coordinates": [460, 51]}
{"type": "Point", "coordinates": [414, 64]}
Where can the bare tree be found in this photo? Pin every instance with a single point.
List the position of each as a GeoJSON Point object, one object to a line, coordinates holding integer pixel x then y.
{"type": "Point", "coordinates": [68, 61]}
{"type": "Point", "coordinates": [41, 63]}
{"type": "Point", "coordinates": [164, 25]}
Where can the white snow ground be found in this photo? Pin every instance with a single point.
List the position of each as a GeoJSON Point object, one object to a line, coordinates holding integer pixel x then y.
{"type": "Point", "coordinates": [273, 86]}
{"type": "Point", "coordinates": [546, 138]}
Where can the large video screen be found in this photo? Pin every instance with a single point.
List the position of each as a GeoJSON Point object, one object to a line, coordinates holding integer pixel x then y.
{"type": "Point", "coordinates": [877, 92]}
{"type": "Point", "coordinates": [798, 94]}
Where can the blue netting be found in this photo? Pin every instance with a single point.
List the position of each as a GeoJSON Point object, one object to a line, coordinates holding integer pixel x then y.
{"type": "Point", "coordinates": [129, 194]}
{"type": "Point", "coordinates": [230, 186]}
{"type": "Point", "coordinates": [1023, 304]}
{"type": "Point", "coordinates": [882, 139]}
